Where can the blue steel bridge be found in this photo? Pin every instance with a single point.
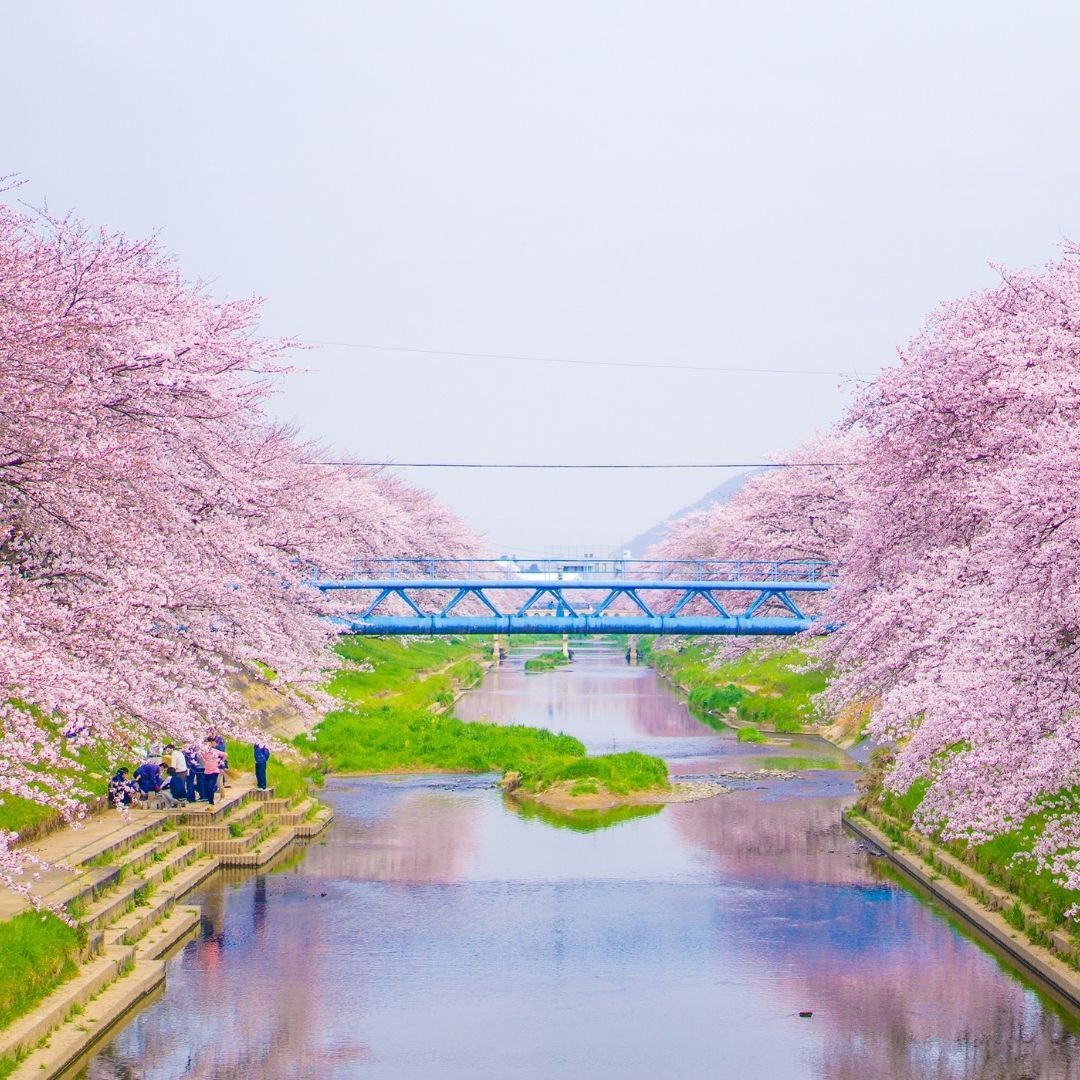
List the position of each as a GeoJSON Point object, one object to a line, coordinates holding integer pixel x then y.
{"type": "Point", "coordinates": [422, 596]}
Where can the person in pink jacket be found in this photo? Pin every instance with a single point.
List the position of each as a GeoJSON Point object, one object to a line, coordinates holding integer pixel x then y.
{"type": "Point", "coordinates": [212, 759]}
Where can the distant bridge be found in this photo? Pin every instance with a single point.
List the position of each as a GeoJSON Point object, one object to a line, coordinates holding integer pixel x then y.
{"type": "Point", "coordinates": [585, 596]}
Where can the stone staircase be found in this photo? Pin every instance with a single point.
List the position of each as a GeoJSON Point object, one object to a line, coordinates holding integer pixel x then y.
{"type": "Point", "coordinates": [122, 885]}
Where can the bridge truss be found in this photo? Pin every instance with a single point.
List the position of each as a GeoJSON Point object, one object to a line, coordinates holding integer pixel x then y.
{"type": "Point", "coordinates": [594, 596]}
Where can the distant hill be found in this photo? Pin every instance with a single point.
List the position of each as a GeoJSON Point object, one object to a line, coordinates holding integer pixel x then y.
{"type": "Point", "coordinates": [638, 546]}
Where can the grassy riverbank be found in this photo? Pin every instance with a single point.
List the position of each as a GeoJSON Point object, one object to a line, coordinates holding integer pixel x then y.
{"type": "Point", "coordinates": [91, 767]}
{"type": "Point", "coordinates": [1004, 861]}
{"type": "Point", "coordinates": [395, 717]}
{"type": "Point", "coordinates": [774, 690]}
{"type": "Point", "coordinates": [37, 953]}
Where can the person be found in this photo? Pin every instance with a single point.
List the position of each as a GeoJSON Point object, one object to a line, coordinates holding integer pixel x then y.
{"type": "Point", "coordinates": [178, 785]}
{"type": "Point", "coordinates": [178, 763]}
{"type": "Point", "coordinates": [148, 777]}
{"type": "Point", "coordinates": [121, 789]}
{"type": "Point", "coordinates": [211, 758]}
{"type": "Point", "coordinates": [194, 773]}
{"type": "Point", "coordinates": [219, 742]}
{"type": "Point", "coordinates": [262, 756]}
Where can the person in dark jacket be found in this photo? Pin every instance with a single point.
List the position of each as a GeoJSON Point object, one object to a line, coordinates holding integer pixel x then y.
{"type": "Point", "coordinates": [121, 789]}
{"type": "Point", "coordinates": [194, 773]}
{"type": "Point", "coordinates": [262, 756]}
{"type": "Point", "coordinates": [148, 777]}
{"type": "Point", "coordinates": [178, 785]}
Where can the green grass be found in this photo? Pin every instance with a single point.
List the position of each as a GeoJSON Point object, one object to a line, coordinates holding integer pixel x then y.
{"type": "Point", "coordinates": [387, 739]}
{"type": "Point", "coordinates": [546, 661]}
{"type": "Point", "coordinates": [619, 773]}
{"type": "Point", "coordinates": [77, 908]}
{"type": "Point", "coordinates": [750, 735]}
{"type": "Point", "coordinates": [396, 717]}
{"type": "Point", "coordinates": [290, 778]}
{"type": "Point", "coordinates": [761, 686]}
{"type": "Point", "coordinates": [37, 953]}
{"type": "Point", "coordinates": [996, 859]}
{"type": "Point", "coordinates": [413, 675]}
{"type": "Point", "coordinates": [91, 767]}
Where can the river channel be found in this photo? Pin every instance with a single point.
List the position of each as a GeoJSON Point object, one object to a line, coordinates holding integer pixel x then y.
{"type": "Point", "coordinates": [437, 931]}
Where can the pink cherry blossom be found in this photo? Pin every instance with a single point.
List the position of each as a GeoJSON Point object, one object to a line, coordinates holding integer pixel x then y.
{"type": "Point", "coordinates": [958, 595]}
{"type": "Point", "coordinates": [156, 529]}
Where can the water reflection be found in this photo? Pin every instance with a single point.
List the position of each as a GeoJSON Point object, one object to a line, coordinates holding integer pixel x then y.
{"type": "Point", "coordinates": [600, 704]}
{"type": "Point", "coordinates": [425, 835]}
{"type": "Point", "coordinates": [578, 820]}
{"type": "Point", "coordinates": [437, 932]}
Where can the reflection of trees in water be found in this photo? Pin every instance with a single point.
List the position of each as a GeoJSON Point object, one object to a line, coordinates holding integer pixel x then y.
{"type": "Point", "coordinates": [591, 703]}
{"type": "Point", "coordinates": [582, 821]}
{"type": "Point", "coordinates": [270, 1026]}
{"type": "Point", "coordinates": [656, 711]}
{"type": "Point", "coordinates": [779, 840]}
{"type": "Point", "coordinates": [937, 1012]}
{"type": "Point", "coordinates": [901, 993]}
{"type": "Point", "coordinates": [426, 837]}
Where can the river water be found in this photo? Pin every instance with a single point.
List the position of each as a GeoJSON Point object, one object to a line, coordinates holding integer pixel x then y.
{"type": "Point", "coordinates": [437, 931]}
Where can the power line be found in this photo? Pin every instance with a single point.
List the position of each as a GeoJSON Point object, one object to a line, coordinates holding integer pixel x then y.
{"type": "Point", "coordinates": [604, 465]}
{"type": "Point", "coordinates": [594, 363]}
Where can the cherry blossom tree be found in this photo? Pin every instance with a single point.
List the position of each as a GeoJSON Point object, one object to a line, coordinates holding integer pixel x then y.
{"type": "Point", "coordinates": [799, 513]}
{"type": "Point", "coordinates": [157, 529]}
{"type": "Point", "coordinates": [957, 529]}
{"type": "Point", "coordinates": [960, 612]}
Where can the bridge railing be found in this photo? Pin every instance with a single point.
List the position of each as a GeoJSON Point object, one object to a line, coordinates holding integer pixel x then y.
{"type": "Point", "coordinates": [446, 596]}
{"type": "Point", "coordinates": [531, 570]}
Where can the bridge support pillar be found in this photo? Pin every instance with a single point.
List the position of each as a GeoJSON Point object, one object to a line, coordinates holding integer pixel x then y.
{"type": "Point", "coordinates": [498, 650]}
{"type": "Point", "coordinates": [566, 646]}
{"type": "Point", "coordinates": [631, 652]}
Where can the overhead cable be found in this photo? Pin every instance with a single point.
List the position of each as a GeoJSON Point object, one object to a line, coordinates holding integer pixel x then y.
{"type": "Point", "coordinates": [598, 465]}
{"type": "Point", "coordinates": [594, 363]}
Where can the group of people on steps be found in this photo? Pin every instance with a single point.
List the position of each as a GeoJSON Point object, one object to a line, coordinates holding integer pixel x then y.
{"type": "Point", "coordinates": [181, 776]}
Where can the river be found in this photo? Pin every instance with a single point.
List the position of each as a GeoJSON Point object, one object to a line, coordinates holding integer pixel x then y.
{"type": "Point", "coordinates": [436, 931]}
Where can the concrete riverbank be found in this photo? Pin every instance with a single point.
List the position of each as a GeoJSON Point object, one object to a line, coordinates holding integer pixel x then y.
{"type": "Point", "coordinates": [980, 904]}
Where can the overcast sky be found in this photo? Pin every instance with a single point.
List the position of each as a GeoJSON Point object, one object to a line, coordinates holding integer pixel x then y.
{"type": "Point", "coordinates": [755, 185]}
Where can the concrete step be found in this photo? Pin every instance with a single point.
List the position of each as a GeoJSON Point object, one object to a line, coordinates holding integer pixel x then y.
{"type": "Point", "coordinates": [142, 830]}
{"type": "Point", "coordinates": [220, 828]}
{"type": "Point", "coordinates": [314, 825]}
{"type": "Point", "coordinates": [225, 804]}
{"type": "Point", "coordinates": [231, 845]}
{"type": "Point", "coordinates": [93, 849]}
{"type": "Point", "coordinates": [119, 901]}
{"type": "Point", "coordinates": [151, 907]}
{"type": "Point", "coordinates": [176, 927]}
{"type": "Point", "coordinates": [83, 891]}
{"type": "Point", "coordinates": [297, 813]}
{"type": "Point", "coordinates": [80, 1012]}
{"type": "Point", "coordinates": [262, 853]}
